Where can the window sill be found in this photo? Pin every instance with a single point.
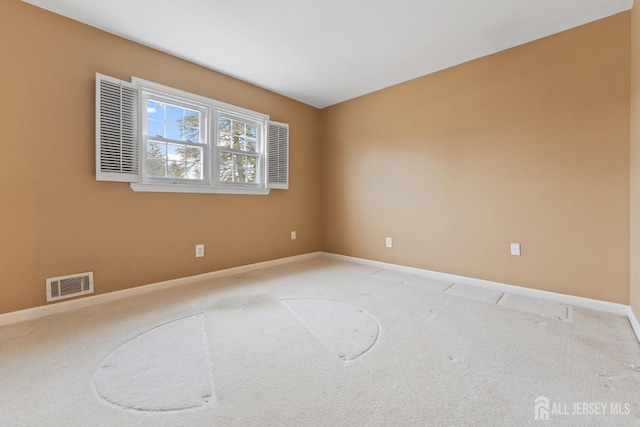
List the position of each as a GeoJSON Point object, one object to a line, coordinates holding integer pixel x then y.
{"type": "Point", "coordinates": [180, 188]}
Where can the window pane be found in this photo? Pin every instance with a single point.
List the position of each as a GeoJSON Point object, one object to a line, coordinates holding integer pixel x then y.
{"type": "Point", "coordinates": [238, 128]}
{"type": "Point", "coordinates": [238, 168]}
{"type": "Point", "coordinates": [192, 115]}
{"type": "Point", "coordinates": [227, 158]}
{"type": "Point", "coordinates": [175, 152]}
{"type": "Point", "coordinates": [190, 134]}
{"type": "Point", "coordinates": [237, 135]}
{"type": "Point", "coordinates": [175, 169]}
{"type": "Point", "coordinates": [226, 167]}
{"type": "Point", "coordinates": [189, 126]}
{"type": "Point", "coordinates": [174, 131]}
{"type": "Point", "coordinates": [193, 162]}
{"type": "Point", "coordinates": [224, 140]}
{"type": "Point", "coordinates": [224, 133]}
{"type": "Point", "coordinates": [174, 160]}
{"type": "Point", "coordinates": [251, 175]}
{"type": "Point", "coordinates": [155, 110]}
{"type": "Point", "coordinates": [174, 113]}
{"type": "Point", "coordinates": [174, 122]}
{"type": "Point", "coordinates": [248, 173]}
{"type": "Point", "coordinates": [193, 154]}
{"type": "Point", "coordinates": [225, 126]}
{"type": "Point", "coordinates": [193, 170]}
{"type": "Point", "coordinates": [251, 162]}
{"type": "Point", "coordinates": [156, 150]}
{"type": "Point", "coordinates": [155, 128]}
{"type": "Point", "coordinates": [238, 143]}
{"type": "Point", "coordinates": [156, 168]}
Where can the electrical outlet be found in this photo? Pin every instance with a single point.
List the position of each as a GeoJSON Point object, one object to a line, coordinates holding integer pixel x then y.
{"type": "Point", "coordinates": [199, 251]}
{"type": "Point", "coordinates": [293, 235]}
{"type": "Point", "coordinates": [515, 249]}
{"type": "Point", "coordinates": [389, 242]}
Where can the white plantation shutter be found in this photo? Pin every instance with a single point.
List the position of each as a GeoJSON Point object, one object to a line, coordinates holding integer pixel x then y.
{"type": "Point", "coordinates": [278, 156]}
{"type": "Point", "coordinates": [117, 143]}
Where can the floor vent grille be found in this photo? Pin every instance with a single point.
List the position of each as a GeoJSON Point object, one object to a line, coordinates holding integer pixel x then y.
{"type": "Point", "coordinates": [72, 285]}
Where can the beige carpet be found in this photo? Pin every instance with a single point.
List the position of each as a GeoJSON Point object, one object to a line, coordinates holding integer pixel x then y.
{"type": "Point", "coordinates": [321, 343]}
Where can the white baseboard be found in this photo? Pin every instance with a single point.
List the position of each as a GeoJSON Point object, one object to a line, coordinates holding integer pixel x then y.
{"type": "Point", "coordinates": [609, 307]}
{"type": "Point", "coordinates": [65, 306]}
{"type": "Point", "coordinates": [634, 322]}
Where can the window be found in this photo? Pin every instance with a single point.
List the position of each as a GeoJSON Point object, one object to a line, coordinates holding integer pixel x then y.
{"type": "Point", "coordinates": [174, 139]}
{"type": "Point", "coordinates": [238, 148]}
{"type": "Point", "coordinates": [163, 139]}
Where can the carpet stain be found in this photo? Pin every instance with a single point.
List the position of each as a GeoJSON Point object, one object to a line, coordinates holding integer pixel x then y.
{"type": "Point", "coordinates": [541, 324]}
{"type": "Point", "coordinates": [593, 343]}
{"type": "Point", "coordinates": [604, 319]}
{"type": "Point", "coordinates": [607, 376]}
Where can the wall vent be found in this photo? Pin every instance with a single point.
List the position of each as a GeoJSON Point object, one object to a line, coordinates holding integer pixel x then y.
{"type": "Point", "coordinates": [69, 286]}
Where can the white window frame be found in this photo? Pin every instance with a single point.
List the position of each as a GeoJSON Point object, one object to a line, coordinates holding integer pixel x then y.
{"type": "Point", "coordinates": [176, 98]}
{"type": "Point", "coordinates": [121, 140]}
{"type": "Point", "coordinates": [241, 114]}
{"type": "Point", "coordinates": [211, 110]}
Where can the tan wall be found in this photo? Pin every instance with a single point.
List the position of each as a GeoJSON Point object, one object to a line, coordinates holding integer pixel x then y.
{"type": "Point", "coordinates": [635, 158]}
{"type": "Point", "coordinates": [56, 219]}
{"type": "Point", "coordinates": [530, 145]}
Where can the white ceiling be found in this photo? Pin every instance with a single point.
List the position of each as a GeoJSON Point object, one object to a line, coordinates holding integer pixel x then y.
{"type": "Point", "coordinates": [324, 52]}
